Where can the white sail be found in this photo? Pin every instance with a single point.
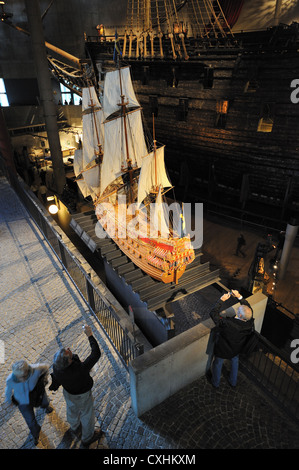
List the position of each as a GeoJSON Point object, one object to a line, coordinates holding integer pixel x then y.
{"type": "Point", "coordinates": [88, 94]}
{"type": "Point", "coordinates": [115, 156]}
{"type": "Point", "coordinates": [117, 83]}
{"type": "Point", "coordinates": [93, 127]}
{"type": "Point", "coordinates": [152, 174]}
{"type": "Point", "coordinates": [159, 223]}
{"type": "Point", "coordinates": [93, 135]}
{"type": "Point", "coordinates": [85, 189]}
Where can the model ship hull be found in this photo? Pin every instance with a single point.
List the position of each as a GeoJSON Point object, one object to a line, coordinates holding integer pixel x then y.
{"type": "Point", "coordinates": [164, 259]}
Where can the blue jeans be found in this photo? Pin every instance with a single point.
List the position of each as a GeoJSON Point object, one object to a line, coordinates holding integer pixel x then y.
{"type": "Point", "coordinates": [217, 368]}
{"type": "Point", "coordinates": [29, 415]}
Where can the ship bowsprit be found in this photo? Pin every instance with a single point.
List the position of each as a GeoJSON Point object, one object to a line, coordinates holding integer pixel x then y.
{"type": "Point", "coordinates": [154, 293]}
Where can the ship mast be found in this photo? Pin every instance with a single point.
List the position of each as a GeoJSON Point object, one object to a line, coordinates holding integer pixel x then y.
{"type": "Point", "coordinates": [99, 152]}
{"type": "Point", "coordinates": [123, 105]}
{"type": "Point", "coordinates": [155, 153]}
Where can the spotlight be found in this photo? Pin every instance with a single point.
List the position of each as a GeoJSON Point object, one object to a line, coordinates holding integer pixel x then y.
{"type": "Point", "coordinates": [53, 209]}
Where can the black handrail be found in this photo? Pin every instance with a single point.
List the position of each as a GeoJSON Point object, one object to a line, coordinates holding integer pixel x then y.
{"type": "Point", "coordinates": [276, 374]}
{"type": "Point", "coordinates": [119, 336]}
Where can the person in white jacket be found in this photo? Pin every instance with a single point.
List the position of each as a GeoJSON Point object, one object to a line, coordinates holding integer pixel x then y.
{"type": "Point", "coordinates": [19, 384]}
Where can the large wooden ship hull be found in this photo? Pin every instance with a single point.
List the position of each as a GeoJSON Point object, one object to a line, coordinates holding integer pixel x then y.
{"type": "Point", "coordinates": [211, 112]}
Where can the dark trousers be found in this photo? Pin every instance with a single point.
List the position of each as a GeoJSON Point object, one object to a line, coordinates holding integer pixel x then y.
{"type": "Point", "coordinates": [217, 367]}
{"type": "Point", "coordinates": [240, 250]}
{"type": "Point", "coordinates": [29, 416]}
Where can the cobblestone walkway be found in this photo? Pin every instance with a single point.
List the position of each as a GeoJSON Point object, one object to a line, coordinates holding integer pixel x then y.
{"type": "Point", "coordinates": [40, 310]}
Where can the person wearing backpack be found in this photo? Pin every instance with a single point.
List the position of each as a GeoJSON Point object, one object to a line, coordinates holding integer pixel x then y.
{"type": "Point", "coordinates": [235, 335]}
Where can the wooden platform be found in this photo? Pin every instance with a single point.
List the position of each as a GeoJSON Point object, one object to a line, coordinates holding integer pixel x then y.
{"type": "Point", "coordinates": [154, 293]}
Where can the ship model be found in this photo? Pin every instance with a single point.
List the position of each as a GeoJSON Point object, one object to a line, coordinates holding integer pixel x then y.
{"type": "Point", "coordinates": [127, 180]}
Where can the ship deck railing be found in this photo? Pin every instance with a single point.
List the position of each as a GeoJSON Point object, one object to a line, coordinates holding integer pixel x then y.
{"type": "Point", "coordinates": [279, 38]}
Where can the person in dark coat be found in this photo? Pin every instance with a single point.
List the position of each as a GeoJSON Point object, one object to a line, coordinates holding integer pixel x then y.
{"type": "Point", "coordinates": [232, 336]}
{"type": "Point", "coordinates": [74, 376]}
{"type": "Point", "coordinates": [240, 243]}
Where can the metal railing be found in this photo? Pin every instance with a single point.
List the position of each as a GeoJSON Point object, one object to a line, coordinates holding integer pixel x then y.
{"type": "Point", "coordinates": [274, 372]}
{"type": "Point", "coordinates": [279, 306]}
{"type": "Point", "coordinates": [120, 337]}
{"type": "Point", "coordinates": [269, 367]}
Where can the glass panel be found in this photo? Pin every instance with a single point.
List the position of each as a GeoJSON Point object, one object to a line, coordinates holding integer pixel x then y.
{"type": "Point", "coordinates": [63, 89]}
{"type": "Point", "coordinates": [4, 100]}
{"type": "Point", "coordinates": [2, 86]}
{"type": "Point", "coordinates": [77, 99]}
{"type": "Point", "coordinates": [66, 97]}
{"type": "Point", "coordinates": [3, 97]}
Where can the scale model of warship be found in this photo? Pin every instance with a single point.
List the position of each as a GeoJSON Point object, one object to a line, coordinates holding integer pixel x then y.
{"type": "Point", "coordinates": [119, 171]}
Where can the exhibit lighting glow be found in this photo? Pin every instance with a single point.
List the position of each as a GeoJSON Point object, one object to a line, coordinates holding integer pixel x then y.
{"type": "Point", "coordinates": [53, 209]}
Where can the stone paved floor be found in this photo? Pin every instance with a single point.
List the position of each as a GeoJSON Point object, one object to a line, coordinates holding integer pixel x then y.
{"type": "Point", "coordinates": [40, 310]}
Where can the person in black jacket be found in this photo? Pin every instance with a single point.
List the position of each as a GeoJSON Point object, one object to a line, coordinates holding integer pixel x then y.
{"type": "Point", "coordinates": [233, 334]}
{"type": "Point", "coordinates": [240, 244]}
{"type": "Point", "coordinates": [74, 376]}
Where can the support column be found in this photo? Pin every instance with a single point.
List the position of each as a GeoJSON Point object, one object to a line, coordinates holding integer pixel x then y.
{"type": "Point", "coordinates": [46, 91]}
{"type": "Point", "coordinates": [6, 151]}
{"type": "Point", "coordinates": [291, 233]}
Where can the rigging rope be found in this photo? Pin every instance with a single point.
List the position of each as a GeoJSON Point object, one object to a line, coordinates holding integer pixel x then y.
{"type": "Point", "coordinates": [149, 19]}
